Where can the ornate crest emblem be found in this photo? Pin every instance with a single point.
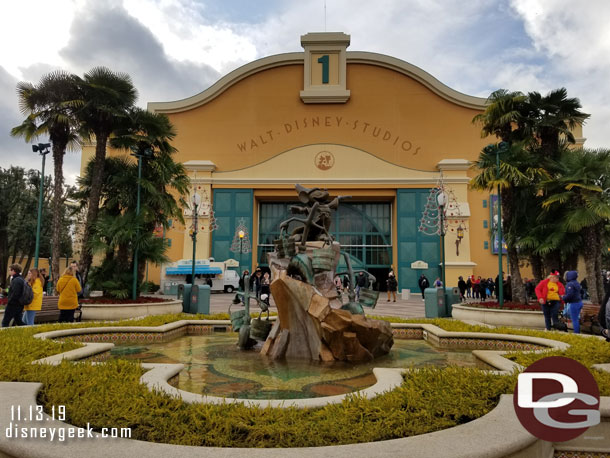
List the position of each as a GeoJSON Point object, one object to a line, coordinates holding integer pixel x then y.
{"type": "Point", "coordinates": [324, 160]}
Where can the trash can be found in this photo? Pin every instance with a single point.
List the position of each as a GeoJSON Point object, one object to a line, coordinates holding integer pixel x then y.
{"type": "Point", "coordinates": [453, 297]}
{"type": "Point", "coordinates": [184, 293]}
{"type": "Point", "coordinates": [405, 294]}
{"type": "Point", "coordinates": [170, 288]}
{"type": "Point", "coordinates": [200, 299]}
{"type": "Point", "coordinates": [435, 303]}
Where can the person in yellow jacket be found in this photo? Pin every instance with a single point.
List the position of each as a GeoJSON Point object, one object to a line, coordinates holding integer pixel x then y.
{"type": "Point", "coordinates": [68, 288]}
{"type": "Point", "coordinates": [36, 280]}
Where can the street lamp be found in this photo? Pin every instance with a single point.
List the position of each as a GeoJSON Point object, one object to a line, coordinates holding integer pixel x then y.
{"type": "Point", "coordinates": [43, 150]}
{"type": "Point", "coordinates": [196, 202]}
{"type": "Point", "coordinates": [441, 199]}
{"type": "Point", "coordinates": [241, 247]}
{"type": "Point", "coordinates": [139, 153]}
{"type": "Point", "coordinates": [489, 149]}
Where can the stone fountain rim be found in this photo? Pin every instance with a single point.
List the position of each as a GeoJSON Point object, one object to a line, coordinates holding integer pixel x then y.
{"type": "Point", "coordinates": [158, 375]}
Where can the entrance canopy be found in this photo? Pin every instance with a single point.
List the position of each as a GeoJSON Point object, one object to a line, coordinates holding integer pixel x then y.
{"type": "Point", "coordinates": [186, 270]}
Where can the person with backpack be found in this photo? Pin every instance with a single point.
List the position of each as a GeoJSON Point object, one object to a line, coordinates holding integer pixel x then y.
{"type": "Point", "coordinates": [14, 305]}
{"type": "Point", "coordinates": [549, 293]}
{"type": "Point", "coordinates": [68, 288]}
{"type": "Point", "coordinates": [35, 280]}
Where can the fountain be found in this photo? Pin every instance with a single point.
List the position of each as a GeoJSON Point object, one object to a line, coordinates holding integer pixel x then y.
{"type": "Point", "coordinates": [313, 321]}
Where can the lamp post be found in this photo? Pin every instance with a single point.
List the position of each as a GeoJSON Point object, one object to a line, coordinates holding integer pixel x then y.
{"type": "Point", "coordinates": [441, 199]}
{"type": "Point", "coordinates": [139, 153]}
{"type": "Point", "coordinates": [43, 150]}
{"type": "Point", "coordinates": [501, 148]}
{"type": "Point", "coordinates": [196, 202]}
{"type": "Point", "coordinates": [241, 247]}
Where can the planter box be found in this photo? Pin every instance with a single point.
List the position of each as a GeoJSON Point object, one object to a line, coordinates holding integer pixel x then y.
{"type": "Point", "coordinates": [116, 312]}
{"type": "Point", "coordinates": [500, 317]}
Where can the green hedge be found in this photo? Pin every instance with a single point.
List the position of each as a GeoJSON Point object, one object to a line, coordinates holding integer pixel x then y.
{"type": "Point", "coordinates": [110, 395]}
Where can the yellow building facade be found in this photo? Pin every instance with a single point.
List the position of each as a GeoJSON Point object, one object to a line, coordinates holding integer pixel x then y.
{"type": "Point", "coordinates": [356, 123]}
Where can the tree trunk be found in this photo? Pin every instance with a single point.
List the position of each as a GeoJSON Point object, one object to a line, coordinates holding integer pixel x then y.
{"type": "Point", "coordinates": [590, 253]}
{"type": "Point", "coordinates": [58, 164]}
{"type": "Point", "coordinates": [537, 268]}
{"type": "Point", "coordinates": [97, 180]}
{"type": "Point", "coordinates": [571, 261]}
{"type": "Point", "coordinates": [516, 282]}
{"type": "Point", "coordinates": [597, 231]}
{"type": "Point", "coordinates": [29, 262]}
{"type": "Point", "coordinates": [552, 261]}
{"type": "Point", "coordinates": [3, 252]}
{"type": "Point", "coordinates": [517, 287]}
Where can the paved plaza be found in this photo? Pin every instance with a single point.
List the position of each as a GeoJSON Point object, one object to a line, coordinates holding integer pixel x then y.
{"type": "Point", "coordinates": [411, 308]}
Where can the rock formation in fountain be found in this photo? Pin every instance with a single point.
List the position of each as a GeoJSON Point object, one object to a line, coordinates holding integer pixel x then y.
{"type": "Point", "coordinates": [313, 321]}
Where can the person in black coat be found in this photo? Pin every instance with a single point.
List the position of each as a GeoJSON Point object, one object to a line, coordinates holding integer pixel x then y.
{"type": "Point", "coordinates": [423, 284]}
{"type": "Point", "coordinates": [483, 289]}
{"type": "Point", "coordinates": [392, 285]}
{"type": "Point", "coordinates": [14, 307]}
{"type": "Point", "coordinates": [362, 281]}
{"type": "Point", "coordinates": [462, 288]}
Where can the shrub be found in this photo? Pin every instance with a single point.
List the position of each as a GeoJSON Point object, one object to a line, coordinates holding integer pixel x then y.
{"type": "Point", "coordinates": [430, 399]}
{"type": "Point", "coordinates": [149, 287]}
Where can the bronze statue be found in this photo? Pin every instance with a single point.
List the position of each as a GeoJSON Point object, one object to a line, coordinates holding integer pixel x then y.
{"type": "Point", "coordinates": [316, 224]}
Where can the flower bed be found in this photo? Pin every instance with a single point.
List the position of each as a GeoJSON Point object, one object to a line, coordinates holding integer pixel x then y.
{"type": "Point", "coordinates": [506, 306]}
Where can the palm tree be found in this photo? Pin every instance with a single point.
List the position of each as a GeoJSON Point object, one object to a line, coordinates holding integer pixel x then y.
{"type": "Point", "coordinates": [144, 130]}
{"type": "Point", "coordinates": [164, 184]}
{"type": "Point", "coordinates": [551, 118]}
{"type": "Point", "coordinates": [107, 97]}
{"type": "Point", "coordinates": [516, 171]}
{"type": "Point", "coordinates": [582, 191]}
{"type": "Point", "coordinates": [50, 109]}
{"type": "Point", "coordinates": [118, 229]}
{"type": "Point", "coordinates": [504, 116]}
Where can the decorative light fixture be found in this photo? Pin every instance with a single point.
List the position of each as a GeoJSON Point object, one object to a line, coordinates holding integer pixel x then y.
{"type": "Point", "coordinates": [460, 236]}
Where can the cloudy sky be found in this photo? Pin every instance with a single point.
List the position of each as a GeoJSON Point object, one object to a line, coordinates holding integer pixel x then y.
{"type": "Point", "coordinates": [176, 48]}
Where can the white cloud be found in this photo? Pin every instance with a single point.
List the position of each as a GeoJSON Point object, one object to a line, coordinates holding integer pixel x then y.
{"type": "Point", "coordinates": [177, 25]}
{"type": "Point", "coordinates": [34, 31]}
{"type": "Point", "coordinates": [577, 42]}
{"type": "Point", "coordinates": [176, 48]}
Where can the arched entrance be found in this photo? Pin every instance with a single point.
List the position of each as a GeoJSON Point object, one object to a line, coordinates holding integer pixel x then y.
{"type": "Point", "coordinates": [364, 230]}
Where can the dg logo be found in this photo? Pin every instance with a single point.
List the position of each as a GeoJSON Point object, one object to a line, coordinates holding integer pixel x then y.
{"type": "Point", "coordinates": [557, 399]}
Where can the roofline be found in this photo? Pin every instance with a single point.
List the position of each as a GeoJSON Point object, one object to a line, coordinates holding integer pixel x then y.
{"type": "Point", "coordinates": [297, 58]}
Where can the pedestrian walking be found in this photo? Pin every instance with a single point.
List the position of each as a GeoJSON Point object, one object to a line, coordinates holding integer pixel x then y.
{"type": "Point", "coordinates": [462, 288]}
{"type": "Point", "coordinates": [14, 307]}
{"type": "Point", "coordinates": [392, 285]}
{"type": "Point", "coordinates": [423, 284]}
{"type": "Point", "coordinates": [549, 292]}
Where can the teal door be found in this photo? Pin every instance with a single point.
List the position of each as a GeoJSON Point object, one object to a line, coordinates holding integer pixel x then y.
{"type": "Point", "coordinates": [412, 244]}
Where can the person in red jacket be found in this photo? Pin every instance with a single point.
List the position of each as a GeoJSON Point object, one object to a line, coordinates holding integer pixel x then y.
{"type": "Point", "coordinates": [549, 292]}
